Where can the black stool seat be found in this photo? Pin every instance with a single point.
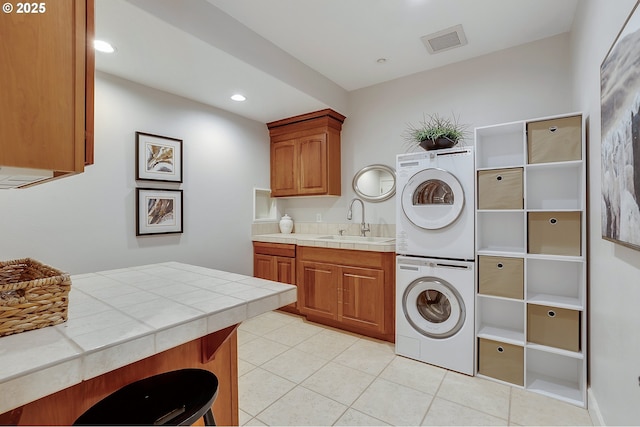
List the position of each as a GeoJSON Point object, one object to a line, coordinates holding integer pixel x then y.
{"type": "Point", "coordinates": [174, 398]}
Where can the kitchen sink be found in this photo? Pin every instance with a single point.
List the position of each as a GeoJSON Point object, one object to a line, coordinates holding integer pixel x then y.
{"type": "Point", "coordinates": [359, 239]}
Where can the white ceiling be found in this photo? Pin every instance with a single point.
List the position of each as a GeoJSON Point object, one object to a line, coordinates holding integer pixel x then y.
{"type": "Point", "coordinates": [290, 57]}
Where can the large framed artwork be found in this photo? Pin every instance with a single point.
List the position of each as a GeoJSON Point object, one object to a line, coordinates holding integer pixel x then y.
{"type": "Point", "coordinates": [158, 211]}
{"type": "Point", "coordinates": [620, 154]}
{"type": "Point", "coordinates": [158, 158]}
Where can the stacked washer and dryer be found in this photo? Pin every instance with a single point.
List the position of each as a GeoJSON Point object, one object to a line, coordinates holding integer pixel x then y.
{"type": "Point", "coordinates": [435, 278]}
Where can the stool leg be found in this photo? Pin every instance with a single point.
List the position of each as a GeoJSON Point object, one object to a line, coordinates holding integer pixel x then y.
{"type": "Point", "coordinates": [208, 418]}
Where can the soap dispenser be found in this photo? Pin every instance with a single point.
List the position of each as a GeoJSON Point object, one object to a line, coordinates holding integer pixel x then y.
{"type": "Point", "coordinates": [286, 224]}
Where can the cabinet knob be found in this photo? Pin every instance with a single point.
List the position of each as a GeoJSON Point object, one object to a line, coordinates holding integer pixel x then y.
{"type": "Point", "coordinates": [553, 129]}
{"type": "Point", "coordinates": [500, 349]}
{"type": "Point", "coordinates": [499, 177]}
{"type": "Point", "coordinates": [551, 313]}
{"type": "Point", "coordinates": [553, 221]}
{"type": "Point", "coordinates": [500, 266]}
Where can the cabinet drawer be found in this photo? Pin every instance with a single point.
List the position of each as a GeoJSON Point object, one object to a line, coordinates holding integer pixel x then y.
{"type": "Point", "coordinates": [554, 233]}
{"type": "Point", "coordinates": [555, 140]}
{"type": "Point", "coordinates": [555, 327]}
{"type": "Point", "coordinates": [500, 189]}
{"type": "Point", "coordinates": [501, 276]}
{"type": "Point", "coordinates": [277, 249]}
{"type": "Point", "coordinates": [501, 361]}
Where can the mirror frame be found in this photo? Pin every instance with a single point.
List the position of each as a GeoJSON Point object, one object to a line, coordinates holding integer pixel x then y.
{"type": "Point", "coordinates": [386, 196]}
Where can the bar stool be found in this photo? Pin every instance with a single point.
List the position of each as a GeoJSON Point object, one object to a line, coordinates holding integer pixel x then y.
{"type": "Point", "coordinates": [173, 398]}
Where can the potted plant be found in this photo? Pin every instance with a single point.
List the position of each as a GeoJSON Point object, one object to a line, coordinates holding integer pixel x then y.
{"type": "Point", "coordinates": [435, 132]}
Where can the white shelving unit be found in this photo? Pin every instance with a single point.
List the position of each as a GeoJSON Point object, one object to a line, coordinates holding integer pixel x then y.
{"type": "Point", "coordinates": [554, 278]}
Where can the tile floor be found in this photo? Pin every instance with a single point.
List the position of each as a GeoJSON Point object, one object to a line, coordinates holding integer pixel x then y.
{"type": "Point", "coordinates": [293, 372]}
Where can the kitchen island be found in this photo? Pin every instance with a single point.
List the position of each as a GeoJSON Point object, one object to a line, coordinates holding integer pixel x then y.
{"type": "Point", "coordinates": [128, 324]}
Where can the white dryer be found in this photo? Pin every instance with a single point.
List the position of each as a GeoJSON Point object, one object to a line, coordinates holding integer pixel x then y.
{"type": "Point", "coordinates": [434, 210]}
{"type": "Point", "coordinates": [435, 312]}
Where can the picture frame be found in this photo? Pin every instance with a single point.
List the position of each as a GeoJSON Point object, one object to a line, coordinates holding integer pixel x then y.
{"type": "Point", "coordinates": [158, 211]}
{"type": "Point", "coordinates": [620, 125]}
{"type": "Point", "coordinates": [158, 158]}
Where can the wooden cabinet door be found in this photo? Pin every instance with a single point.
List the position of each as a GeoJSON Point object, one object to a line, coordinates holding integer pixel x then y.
{"type": "Point", "coordinates": [312, 160]}
{"type": "Point", "coordinates": [263, 267]}
{"type": "Point", "coordinates": [284, 168]}
{"type": "Point", "coordinates": [361, 298]}
{"type": "Point", "coordinates": [317, 289]}
{"type": "Point", "coordinates": [285, 272]}
{"type": "Point", "coordinates": [45, 66]}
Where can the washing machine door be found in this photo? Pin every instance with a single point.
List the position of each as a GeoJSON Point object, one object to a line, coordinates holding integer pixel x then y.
{"type": "Point", "coordinates": [433, 307]}
{"type": "Point", "coordinates": [432, 199]}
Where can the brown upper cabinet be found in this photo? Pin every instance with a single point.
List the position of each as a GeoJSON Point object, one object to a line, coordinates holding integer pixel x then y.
{"type": "Point", "coordinates": [305, 154]}
{"type": "Point", "coordinates": [46, 107]}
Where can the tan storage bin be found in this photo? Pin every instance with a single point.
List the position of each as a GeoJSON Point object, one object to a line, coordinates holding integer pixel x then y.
{"type": "Point", "coordinates": [554, 233]}
{"type": "Point", "coordinates": [500, 189]}
{"type": "Point", "coordinates": [555, 140]}
{"type": "Point", "coordinates": [555, 327]}
{"type": "Point", "coordinates": [501, 276]}
{"type": "Point", "coordinates": [501, 361]}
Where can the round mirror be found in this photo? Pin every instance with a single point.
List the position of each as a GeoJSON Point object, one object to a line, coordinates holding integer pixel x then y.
{"type": "Point", "coordinates": [375, 183]}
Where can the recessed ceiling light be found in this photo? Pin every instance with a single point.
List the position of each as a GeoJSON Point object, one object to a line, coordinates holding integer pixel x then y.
{"type": "Point", "coordinates": [381, 60]}
{"type": "Point", "coordinates": [238, 97]}
{"type": "Point", "coordinates": [103, 46]}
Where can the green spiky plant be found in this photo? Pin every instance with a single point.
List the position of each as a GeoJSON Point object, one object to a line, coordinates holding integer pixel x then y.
{"type": "Point", "coordinates": [434, 127]}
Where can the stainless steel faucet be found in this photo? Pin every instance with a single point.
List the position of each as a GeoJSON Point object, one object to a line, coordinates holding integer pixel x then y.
{"type": "Point", "coordinates": [363, 226]}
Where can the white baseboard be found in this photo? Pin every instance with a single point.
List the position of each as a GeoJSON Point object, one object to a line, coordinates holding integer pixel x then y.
{"type": "Point", "coordinates": [594, 409]}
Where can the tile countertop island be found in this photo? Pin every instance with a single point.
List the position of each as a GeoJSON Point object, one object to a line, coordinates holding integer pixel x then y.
{"type": "Point", "coordinates": [121, 317]}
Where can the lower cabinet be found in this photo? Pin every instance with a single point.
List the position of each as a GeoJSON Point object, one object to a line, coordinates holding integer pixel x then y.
{"type": "Point", "coordinates": [277, 262]}
{"type": "Point", "coordinates": [348, 289]}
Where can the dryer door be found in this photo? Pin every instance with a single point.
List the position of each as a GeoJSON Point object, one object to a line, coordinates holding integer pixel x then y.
{"type": "Point", "coordinates": [432, 199]}
{"type": "Point", "coordinates": [433, 307]}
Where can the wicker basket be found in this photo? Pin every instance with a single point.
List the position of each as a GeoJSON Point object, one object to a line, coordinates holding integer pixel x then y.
{"type": "Point", "coordinates": [32, 296]}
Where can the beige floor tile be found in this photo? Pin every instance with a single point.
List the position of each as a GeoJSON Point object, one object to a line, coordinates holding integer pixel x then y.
{"type": "Point", "coordinates": [245, 336]}
{"type": "Point", "coordinates": [265, 323]}
{"type": "Point", "coordinates": [302, 407]}
{"type": "Point", "coordinates": [294, 365]}
{"type": "Point", "coordinates": [339, 382]}
{"type": "Point", "coordinates": [243, 417]}
{"type": "Point", "coordinates": [255, 422]}
{"type": "Point", "coordinates": [357, 418]}
{"type": "Point", "coordinates": [260, 350]}
{"type": "Point", "coordinates": [244, 367]}
{"type": "Point", "coordinates": [483, 395]}
{"type": "Point", "coordinates": [445, 413]}
{"type": "Point", "coordinates": [366, 356]}
{"type": "Point", "coordinates": [414, 374]}
{"type": "Point", "coordinates": [327, 344]}
{"type": "Point", "coordinates": [528, 408]}
{"type": "Point", "coordinates": [294, 333]}
{"type": "Point", "coordinates": [259, 388]}
{"type": "Point", "coordinates": [393, 403]}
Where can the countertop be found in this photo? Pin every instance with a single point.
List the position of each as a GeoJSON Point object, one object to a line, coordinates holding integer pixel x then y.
{"type": "Point", "coordinates": [381, 244]}
{"type": "Point", "coordinates": [118, 317]}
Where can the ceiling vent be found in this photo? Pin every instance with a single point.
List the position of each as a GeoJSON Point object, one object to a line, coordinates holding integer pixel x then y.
{"type": "Point", "coordinates": [444, 40]}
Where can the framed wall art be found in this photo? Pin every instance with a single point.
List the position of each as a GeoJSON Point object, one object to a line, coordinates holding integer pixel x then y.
{"type": "Point", "coordinates": [158, 211]}
{"type": "Point", "coordinates": [620, 152]}
{"type": "Point", "coordinates": [158, 158]}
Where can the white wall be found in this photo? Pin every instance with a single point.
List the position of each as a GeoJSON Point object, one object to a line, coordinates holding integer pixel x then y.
{"type": "Point", "coordinates": [520, 83]}
{"type": "Point", "coordinates": [614, 342]}
{"type": "Point", "coordinates": [87, 222]}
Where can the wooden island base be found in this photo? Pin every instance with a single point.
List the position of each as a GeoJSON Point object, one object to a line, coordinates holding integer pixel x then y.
{"type": "Point", "coordinates": [216, 352]}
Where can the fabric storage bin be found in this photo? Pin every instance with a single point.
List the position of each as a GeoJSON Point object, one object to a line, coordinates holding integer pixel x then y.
{"type": "Point", "coordinates": [554, 233]}
{"type": "Point", "coordinates": [32, 295]}
{"type": "Point", "coordinates": [554, 327]}
{"type": "Point", "coordinates": [501, 361]}
{"type": "Point", "coordinates": [501, 276]}
{"type": "Point", "coordinates": [500, 189]}
{"type": "Point", "coordinates": [555, 140]}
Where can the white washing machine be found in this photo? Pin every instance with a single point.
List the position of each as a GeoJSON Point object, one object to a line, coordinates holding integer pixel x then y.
{"type": "Point", "coordinates": [435, 312]}
{"type": "Point", "coordinates": [434, 209]}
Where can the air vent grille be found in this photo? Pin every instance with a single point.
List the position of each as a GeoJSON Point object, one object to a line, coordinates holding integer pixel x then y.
{"type": "Point", "coordinates": [444, 40]}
